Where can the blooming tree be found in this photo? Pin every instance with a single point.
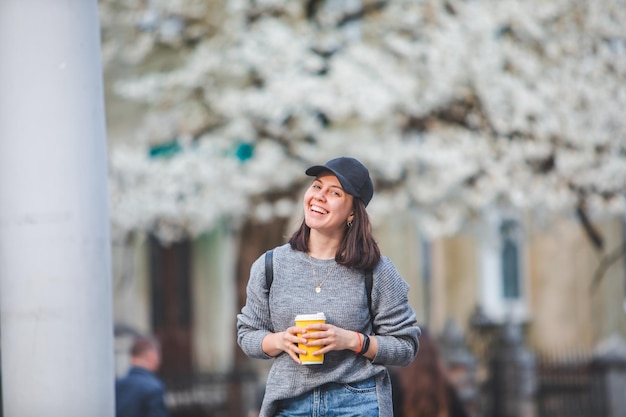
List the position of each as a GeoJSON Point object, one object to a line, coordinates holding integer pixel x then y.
{"type": "Point", "coordinates": [455, 106]}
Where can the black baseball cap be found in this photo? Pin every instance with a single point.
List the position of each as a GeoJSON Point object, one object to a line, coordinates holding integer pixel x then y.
{"type": "Point", "coordinates": [352, 174]}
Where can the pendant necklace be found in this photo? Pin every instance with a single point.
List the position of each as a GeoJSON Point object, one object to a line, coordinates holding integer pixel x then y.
{"type": "Point", "coordinates": [318, 286]}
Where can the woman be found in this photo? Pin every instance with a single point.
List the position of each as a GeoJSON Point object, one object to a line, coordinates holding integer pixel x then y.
{"type": "Point", "coordinates": [322, 269]}
{"type": "Point", "coordinates": [427, 390]}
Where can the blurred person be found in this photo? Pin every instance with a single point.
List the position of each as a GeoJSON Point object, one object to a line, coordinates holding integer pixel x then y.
{"type": "Point", "coordinates": [425, 389]}
{"type": "Point", "coordinates": [324, 268]}
{"type": "Point", "coordinates": [140, 393]}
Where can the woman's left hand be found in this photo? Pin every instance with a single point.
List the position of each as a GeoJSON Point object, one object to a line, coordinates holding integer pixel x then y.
{"type": "Point", "coordinates": [331, 338]}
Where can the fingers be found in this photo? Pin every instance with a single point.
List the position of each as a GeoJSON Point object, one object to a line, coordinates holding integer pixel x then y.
{"type": "Point", "coordinates": [290, 343]}
{"type": "Point", "coordinates": [319, 330]}
{"type": "Point", "coordinates": [291, 335]}
{"type": "Point", "coordinates": [294, 356]}
{"type": "Point", "coordinates": [327, 336]}
{"type": "Point", "coordinates": [318, 326]}
{"type": "Point", "coordinates": [323, 335]}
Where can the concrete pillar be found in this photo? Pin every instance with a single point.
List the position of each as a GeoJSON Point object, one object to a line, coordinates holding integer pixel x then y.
{"type": "Point", "coordinates": [55, 274]}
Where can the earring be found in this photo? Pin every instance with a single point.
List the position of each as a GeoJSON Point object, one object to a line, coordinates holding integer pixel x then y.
{"type": "Point", "coordinates": [349, 223]}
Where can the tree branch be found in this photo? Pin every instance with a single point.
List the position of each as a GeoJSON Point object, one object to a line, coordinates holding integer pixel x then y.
{"type": "Point", "coordinates": [605, 264]}
{"type": "Point", "coordinates": [366, 9]}
{"type": "Point", "coordinates": [594, 236]}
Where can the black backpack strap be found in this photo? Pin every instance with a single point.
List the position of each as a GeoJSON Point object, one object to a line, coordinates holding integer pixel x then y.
{"type": "Point", "coordinates": [269, 275]}
{"type": "Point", "coordinates": [269, 268]}
{"type": "Point", "coordinates": [369, 283]}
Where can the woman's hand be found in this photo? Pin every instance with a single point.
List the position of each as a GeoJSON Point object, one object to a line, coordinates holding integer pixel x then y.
{"type": "Point", "coordinates": [275, 343]}
{"type": "Point", "coordinates": [331, 338]}
{"type": "Point", "coordinates": [328, 336]}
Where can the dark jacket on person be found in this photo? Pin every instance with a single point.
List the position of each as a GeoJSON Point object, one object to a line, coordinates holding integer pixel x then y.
{"type": "Point", "coordinates": [139, 394]}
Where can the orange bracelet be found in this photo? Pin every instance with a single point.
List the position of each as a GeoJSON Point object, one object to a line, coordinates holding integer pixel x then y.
{"type": "Point", "coordinates": [360, 343]}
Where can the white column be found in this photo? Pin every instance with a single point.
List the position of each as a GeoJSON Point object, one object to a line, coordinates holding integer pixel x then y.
{"type": "Point", "coordinates": [55, 274]}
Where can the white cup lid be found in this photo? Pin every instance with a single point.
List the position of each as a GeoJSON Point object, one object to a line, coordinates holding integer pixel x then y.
{"type": "Point", "coordinates": [314, 316]}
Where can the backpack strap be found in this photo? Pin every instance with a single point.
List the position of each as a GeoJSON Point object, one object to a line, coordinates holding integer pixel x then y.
{"type": "Point", "coordinates": [269, 277]}
{"type": "Point", "coordinates": [269, 268]}
{"type": "Point", "coordinates": [369, 283]}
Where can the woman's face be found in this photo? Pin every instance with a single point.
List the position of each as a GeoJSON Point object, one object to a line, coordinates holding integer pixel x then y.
{"type": "Point", "coordinates": [327, 207]}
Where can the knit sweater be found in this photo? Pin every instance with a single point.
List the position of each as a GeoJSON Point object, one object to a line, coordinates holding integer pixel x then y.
{"type": "Point", "coordinates": [343, 300]}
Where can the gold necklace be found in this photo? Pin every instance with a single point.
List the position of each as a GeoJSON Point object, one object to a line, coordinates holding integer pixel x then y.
{"type": "Point", "coordinates": [318, 286]}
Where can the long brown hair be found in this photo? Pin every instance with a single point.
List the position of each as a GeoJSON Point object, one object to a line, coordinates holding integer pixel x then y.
{"type": "Point", "coordinates": [357, 249]}
{"type": "Point", "coordinates": [424, 382]}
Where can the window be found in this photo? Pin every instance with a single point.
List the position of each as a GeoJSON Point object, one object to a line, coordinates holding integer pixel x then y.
{"type": "Point", "coordinates": [510, 260]}
{"type": "Point", "coordinates": [503, 293]}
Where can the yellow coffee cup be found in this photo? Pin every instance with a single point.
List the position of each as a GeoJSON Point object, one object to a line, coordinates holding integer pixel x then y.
{"type": "Point", "coordinates": [303, 320]}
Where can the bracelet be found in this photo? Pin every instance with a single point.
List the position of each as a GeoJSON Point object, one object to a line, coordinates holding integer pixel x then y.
{"type": "Point", "coordinates": [356, 352]}
{"type": "Point", "coordinates": [366, 345]}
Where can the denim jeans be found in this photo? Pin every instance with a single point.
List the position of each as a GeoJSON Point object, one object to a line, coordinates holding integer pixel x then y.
{"type": "Point", "coordinates": [334, 400]}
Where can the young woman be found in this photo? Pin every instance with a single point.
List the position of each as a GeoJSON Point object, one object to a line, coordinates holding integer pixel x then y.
{"type": "Point", "coordinates": [323, 269]}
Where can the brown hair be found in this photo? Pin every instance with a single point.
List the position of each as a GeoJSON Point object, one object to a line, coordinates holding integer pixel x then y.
{"type": "Point", "coordinates": [143, 344]}
{"type": "Point", "coordinates": [424, 382]}
{"type": "Point", "coordinates": [357, 249]}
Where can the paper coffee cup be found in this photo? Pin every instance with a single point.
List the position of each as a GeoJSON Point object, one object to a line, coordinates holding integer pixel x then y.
{"type": "Point", "coordinates": [303, 320]}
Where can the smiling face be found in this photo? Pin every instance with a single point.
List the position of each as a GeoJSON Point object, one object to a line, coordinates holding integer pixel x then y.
{"type": "Point", "coordinates": [327, 207]}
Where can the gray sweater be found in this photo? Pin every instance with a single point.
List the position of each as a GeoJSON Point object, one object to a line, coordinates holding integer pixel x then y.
{"type": "Point", "coordinates": [344, 301]}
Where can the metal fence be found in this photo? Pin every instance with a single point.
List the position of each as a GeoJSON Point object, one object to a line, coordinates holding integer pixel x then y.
{"type": "Point", "coordinates": [511, 381]}
{"type": "Point", "coordinates": [571, 387]}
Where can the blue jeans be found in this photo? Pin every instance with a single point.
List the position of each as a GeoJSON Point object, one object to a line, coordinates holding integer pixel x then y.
{"type": "Point", "coordinates": [334, 400]}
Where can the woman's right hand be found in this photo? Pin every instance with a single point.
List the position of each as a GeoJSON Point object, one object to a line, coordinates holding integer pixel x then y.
{"type": "Point", "coordinates": [275, 343]}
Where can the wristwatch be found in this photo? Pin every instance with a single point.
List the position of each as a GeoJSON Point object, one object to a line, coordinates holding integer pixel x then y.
{"type": "Point", "coordinates": [366, 345]}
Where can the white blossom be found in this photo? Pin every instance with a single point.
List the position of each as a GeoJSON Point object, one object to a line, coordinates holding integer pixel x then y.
{"type": "Point", "coordinates": [455, 106]}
